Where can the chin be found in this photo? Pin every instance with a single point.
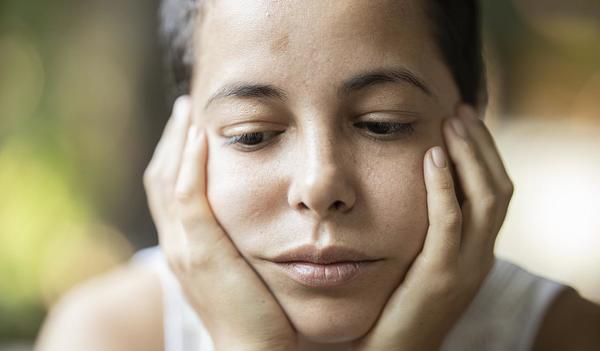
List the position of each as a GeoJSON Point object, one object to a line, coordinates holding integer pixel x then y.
{"type": "Point", "coordinates": [331, 319]}
{"type": "Point", "coordinates": [333, 315]}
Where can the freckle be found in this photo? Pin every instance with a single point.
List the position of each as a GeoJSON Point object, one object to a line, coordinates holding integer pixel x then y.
{"type": "Point", "coordinates": [280, 44]}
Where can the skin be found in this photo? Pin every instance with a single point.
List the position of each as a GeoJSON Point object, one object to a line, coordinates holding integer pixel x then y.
{"type": "Point", "coordinates": [270, 200]}
{"type": "Point", "coordinates": [221, 212]}
{"type": "Point", "coordinates": [278, 197]}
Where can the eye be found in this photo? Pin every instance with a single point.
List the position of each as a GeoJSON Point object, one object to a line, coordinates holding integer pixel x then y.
{"type": "Point", "coordinates": [250, 140]}
{"type": "Point", "coordinates": [386, 128]}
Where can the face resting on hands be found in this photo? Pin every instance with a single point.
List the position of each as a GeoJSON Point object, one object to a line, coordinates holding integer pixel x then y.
{"type": "Point", "coordinates": [344, 99]}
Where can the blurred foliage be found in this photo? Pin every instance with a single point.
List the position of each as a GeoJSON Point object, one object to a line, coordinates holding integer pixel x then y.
{"type": "Point", "coordinates": [73, 145]}
{"type": "Point", "coordinates": [50, 238]}
{"type": "Point", "coordinates": [544, 57]}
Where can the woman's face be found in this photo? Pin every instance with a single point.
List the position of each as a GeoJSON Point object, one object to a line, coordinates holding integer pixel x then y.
{"type": "Point", "coordinates": [320, 171]}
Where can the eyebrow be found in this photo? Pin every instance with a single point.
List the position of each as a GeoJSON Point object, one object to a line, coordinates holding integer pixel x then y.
{"type": "Point", "coordinates": [248, 90]}
{"type": "Point", "coordinates": [398, 75]}
{"type": "Point", "coordinates": [360, 81]}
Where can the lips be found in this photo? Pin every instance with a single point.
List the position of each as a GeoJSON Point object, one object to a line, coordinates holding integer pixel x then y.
{"type": "Point", "coordinates": [326, 267]}
{"type": "Point", "coordinates": [324, 255]}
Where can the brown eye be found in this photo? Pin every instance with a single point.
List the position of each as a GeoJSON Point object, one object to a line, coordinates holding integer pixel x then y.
{"type": "Point", "coordinates": [386, 128]}
{"type": "Point", "coordinates": [250, 140]}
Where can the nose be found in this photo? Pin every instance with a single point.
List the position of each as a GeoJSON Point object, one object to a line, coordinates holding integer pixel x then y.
{"type": "Point", "coordinates": [322, 183]}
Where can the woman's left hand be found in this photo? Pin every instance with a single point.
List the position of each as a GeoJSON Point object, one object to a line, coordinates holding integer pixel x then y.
{"type": "Point", "coordinates": [458, 251]}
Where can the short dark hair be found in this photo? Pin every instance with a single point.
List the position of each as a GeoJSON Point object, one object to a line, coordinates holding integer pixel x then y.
{"type": "Point", "coordinates": [457, 31]}
{"type": "Point", "coordinates": [455, 24]}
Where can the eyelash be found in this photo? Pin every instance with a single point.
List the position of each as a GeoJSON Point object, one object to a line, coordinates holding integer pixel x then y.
{"type": "Point", "coordinates": [401, 128]}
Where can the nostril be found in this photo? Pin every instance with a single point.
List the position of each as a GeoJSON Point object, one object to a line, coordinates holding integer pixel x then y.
{"type": "Point", "coordinates": [338, 205]}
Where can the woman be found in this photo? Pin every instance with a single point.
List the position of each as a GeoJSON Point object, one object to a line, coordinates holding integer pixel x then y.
{"type": "Point", "coordinates": [305, 199]}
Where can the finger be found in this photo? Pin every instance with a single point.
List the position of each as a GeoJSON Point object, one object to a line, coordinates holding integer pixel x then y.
{"type": "Point", "coordinates": [171, 160]}
{"type": "Point", "coordinates": [210, 265]}
{"type": "Point", "coordinates": [156, 177]}
{"type": "Point", "coordinates": [476, 182]}
{"type": "Point", "coordinates": [152, 185]}
{"type": "Point", "coordinates": [159, 176]}
{"type": "Point", "coordinates": [156, 164]}
{"type": "Point", "coordinates": [163, 149]}
{"type": "Point", "coordinates": [473, 174]}
{"type": "Point", "coordinates": [158, 150]}
{"type": "Point", "coordinates": [443, 239]}
{"type": "Point", "coordinates": [491, 156]}
{"type": "Point", "coordinates": [202, 231]}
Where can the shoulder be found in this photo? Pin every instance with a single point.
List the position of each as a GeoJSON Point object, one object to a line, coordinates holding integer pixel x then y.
{"type": "Point", "coordinates": [519, 308]}
{"type": "Point", "coordinates": [120, 310]}
{"type": "Point", "coordinates": [571, 323]}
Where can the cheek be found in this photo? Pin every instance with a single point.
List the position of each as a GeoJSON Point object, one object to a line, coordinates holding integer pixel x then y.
{"type": "Point", "coordinates": [396, 200]}
{"type": "Point", "coordinates": [242, 193]}
{"type": "Point", "coordinates": [249, 199]}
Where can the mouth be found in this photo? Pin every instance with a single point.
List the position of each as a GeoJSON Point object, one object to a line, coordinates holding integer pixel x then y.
{"type": "Point", "coordinates": [326, 267]}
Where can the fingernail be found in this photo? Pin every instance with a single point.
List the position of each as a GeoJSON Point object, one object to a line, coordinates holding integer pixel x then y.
{"type": "Point", "coordinates": [439, 159]}
{"type": "Point", "coordinates": [193, 133]}
{"type": "Point", "coordinates": [181, 108]}
{"type": "Point", "coordinates": [459, 127]}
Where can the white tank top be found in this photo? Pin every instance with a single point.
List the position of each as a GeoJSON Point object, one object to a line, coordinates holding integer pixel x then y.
{"type": "Point", "coordinates": [505, 314]}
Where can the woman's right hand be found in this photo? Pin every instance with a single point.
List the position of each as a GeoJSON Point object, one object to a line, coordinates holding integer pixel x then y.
{"type": "Point", "coordinates": [237, 308]}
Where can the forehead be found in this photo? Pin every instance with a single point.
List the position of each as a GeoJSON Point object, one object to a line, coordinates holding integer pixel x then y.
{"type": "Point", "coordinates": [311, 43]}
{"type": "Point", "coordinates": [267, 19]}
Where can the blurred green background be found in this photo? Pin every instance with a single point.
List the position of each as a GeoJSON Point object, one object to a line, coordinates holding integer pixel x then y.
{"type": "Point", "coordinates": [83, 101]}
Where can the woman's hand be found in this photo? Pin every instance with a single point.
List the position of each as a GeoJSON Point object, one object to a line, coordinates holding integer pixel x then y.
{"type": "Point", "coordinates": [235, 305]}
{"type": "Point", "coordinates": [458, 251]}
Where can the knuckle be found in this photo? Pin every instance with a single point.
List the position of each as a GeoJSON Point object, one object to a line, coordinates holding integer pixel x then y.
{"type": "Point", "coordinates": [149, 176]}
{"type": "Point", "coordinates": [195, 220]}
{"type": "Point", "coordinates": [199, 261]}
{"type": "Point", "coordinates": [446, 184]}
{"type": "Point", "coordinates": [166, 179]}
{"type": "Point", "coordinates": [202, 259]}
{"type": "Point", "coordinates": [191, 263]}
{"type": "Point", "coordinates": [469, 149]}
{"type": "Point", "coordinates": [177, 262]}
{"type": "Point", "coordinates": [202, 219]}
{"type": "Point", "coordinates": [509, 189]}
{"type": "Point", "coordinates": [452, 218]}
{"type": "Point", "coordinates": [183, 196]}
{"type": "Point", "coordinates": [488, 202]}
